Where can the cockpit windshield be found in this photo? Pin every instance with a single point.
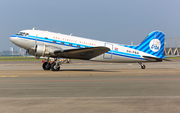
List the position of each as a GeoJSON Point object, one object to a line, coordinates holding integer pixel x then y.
{"type": "Point", "coordinates": [23, 34]}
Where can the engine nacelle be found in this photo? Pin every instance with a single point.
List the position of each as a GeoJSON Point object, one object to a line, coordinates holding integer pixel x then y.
{"type": "Point", "coordinates": [40, 50]}
{"type": "Point", "coordinates": [43, 50]}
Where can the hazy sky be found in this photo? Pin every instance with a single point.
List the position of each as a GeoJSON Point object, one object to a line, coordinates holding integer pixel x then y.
{"type": "Point", "coordinates": [119, 21]}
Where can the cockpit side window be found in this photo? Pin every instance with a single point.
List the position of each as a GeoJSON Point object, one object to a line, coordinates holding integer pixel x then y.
{"type": "Point", "coordinates": [23, 34]}
{"type": "Point", "coordinates": [26, 34]}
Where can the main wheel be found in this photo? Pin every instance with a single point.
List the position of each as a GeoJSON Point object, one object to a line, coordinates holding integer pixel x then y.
{"type": "Point", "coordinates": [54, 67]}
{"type": "Point", "coordinates": [143, 67]}
{"type": "Point", "coordinates": [46, 66]}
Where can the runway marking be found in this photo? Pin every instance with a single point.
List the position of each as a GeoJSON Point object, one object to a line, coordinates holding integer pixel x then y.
{"type": "Point", "coordinates": [113, 80]}
{"type": "Point", "coordinates": [14, 76]}
{"type": "Point", "coordinates": [9, 76]}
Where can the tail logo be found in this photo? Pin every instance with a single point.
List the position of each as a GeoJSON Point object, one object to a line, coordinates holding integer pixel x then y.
{"type": "Point", "coordinates": [155, 45]}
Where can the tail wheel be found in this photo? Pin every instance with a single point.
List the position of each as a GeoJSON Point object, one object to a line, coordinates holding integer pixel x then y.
{"type": "Point", "coordinates": [46, 66]}
{"type": "Point", "coordinates": [55, 67]}
{"type": "Point", "coordinates": [143, 67]}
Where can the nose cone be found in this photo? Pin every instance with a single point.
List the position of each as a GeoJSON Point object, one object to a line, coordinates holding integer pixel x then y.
{"type": "Point", "coordinates": [12, 38]}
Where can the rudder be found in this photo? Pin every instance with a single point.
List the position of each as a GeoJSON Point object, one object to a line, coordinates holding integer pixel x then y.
{"type": "Point", "coordinates": [153, 44]}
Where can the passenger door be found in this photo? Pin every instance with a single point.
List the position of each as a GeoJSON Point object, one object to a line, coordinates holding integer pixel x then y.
{"type": "Point", "coordinates": [108, 55]}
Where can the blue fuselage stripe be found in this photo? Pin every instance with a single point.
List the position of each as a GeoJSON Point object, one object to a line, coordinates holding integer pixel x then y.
{"type": "Point", "coordinates": [117, 53]}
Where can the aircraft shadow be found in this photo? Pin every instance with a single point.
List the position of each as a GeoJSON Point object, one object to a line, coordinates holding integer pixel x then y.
{"type": "Point", "coordinates": [90, 70]}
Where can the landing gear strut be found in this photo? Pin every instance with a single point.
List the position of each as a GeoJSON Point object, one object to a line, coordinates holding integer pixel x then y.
{"type": "Point", "coordinates": [55, 66]}
{"type": "Point", "coordinates": [142, 65]}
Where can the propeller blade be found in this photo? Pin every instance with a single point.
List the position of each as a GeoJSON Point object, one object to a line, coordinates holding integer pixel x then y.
{"type": "Point", "coordinates": [35, 45]}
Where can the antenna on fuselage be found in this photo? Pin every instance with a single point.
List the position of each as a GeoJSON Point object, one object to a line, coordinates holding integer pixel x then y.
{"type": "Point", "coordinates": [71, 34]}
{"type": "Point", "coordinates": [34, 28]}
{"type": "Point", "coordinates": [131, 43]}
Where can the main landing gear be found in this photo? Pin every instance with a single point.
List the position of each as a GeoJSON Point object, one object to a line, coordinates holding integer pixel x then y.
{"type": "Point", "coordinates": [46, 65]}
{"type": "Point", "coordinates": [54, 66]}
{"type": "Point", "coordinates": [142, 65]}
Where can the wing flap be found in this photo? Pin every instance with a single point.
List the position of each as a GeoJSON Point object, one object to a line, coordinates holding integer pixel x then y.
{"type": "Point", "coordinates": [82, 53]}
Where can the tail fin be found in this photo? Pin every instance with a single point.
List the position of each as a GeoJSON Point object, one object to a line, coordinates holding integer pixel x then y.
{"type": "Point", "coordinates": [153, 44]}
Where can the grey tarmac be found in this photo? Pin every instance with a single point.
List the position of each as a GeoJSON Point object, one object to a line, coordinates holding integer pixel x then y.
{"type": "Point", "coordinates": [91, 87]}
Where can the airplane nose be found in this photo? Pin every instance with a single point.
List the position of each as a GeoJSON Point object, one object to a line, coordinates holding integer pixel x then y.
{"type": "Point", "coordinates": [11, 38]}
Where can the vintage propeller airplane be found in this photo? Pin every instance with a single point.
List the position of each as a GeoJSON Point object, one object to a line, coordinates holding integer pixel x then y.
{"type": "Point", "coordinates": [49, 44]}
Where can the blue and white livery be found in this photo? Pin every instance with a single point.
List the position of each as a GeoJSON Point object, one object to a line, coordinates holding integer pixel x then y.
{"type": "Point", "coordinates": [49, 44]}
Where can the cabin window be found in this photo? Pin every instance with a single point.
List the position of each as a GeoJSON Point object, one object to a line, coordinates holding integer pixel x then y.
{"type": "Point", "coordinates": [62, 43]}
{"type": "Point", "coordinates": [54, 41]}
{"type": "Point", "coordinates": [78, 46]}
{"type": "Point", "coordinates": [46, 37]}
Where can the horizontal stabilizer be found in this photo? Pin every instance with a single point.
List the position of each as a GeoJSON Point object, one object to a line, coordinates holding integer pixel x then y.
{"type": "Point", "coordinates": [156, 59]}
{"type": "Point", "coordinates": [172, 56]}
{"type": "Point", "coordinates": [82, 53]}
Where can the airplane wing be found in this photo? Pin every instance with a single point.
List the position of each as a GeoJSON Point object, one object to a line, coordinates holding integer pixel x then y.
{"type": "Point", "coordinates": [82, 53]}
{"type": "Point", "coordinates": [155, 59]}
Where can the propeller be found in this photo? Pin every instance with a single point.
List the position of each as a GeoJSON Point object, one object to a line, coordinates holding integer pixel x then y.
{"type": "Point", "coordinates": [35, 46]}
